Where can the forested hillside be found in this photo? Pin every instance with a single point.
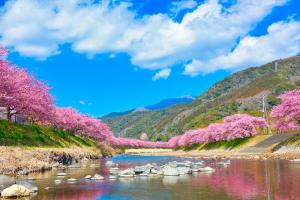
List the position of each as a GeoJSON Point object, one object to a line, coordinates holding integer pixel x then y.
{"type": "Point", "coordinates": [242, 92]}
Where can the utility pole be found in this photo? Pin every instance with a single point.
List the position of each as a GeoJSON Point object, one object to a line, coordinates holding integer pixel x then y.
{"type": "Point", "coordinates": [276, 66]}
{"type": "Point", "coordinates": [264, 110]}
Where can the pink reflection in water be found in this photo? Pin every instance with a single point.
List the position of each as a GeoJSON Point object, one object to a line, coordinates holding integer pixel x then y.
{"type": "Point", "coordinates": [254, 180]}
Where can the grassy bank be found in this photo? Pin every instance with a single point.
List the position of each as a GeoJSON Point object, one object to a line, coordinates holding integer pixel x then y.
{"type": "Point", "coordinates": [232, 144]}
{"type": "Point", "coordinates": [12, 134]}
{"type": "Point", "coordinates": [33, 148]}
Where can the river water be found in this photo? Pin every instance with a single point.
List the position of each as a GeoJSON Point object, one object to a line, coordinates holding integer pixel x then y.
{"type": "Point", "coordinates": [242, 179]}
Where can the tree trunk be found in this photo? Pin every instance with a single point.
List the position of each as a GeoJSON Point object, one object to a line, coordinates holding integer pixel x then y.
{"type": "Point", "coordinates": [8, 114]}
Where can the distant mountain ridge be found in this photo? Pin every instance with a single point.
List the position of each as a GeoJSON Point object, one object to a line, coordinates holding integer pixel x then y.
{"type": "Point", "coordinates": [171, 101]}
{"type": "Point", "coordinates": [158, 106]}
{"type": "Point", "coordinates": [240, 92]}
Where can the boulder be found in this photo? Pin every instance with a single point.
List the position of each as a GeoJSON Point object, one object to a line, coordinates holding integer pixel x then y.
{"type": "Point", "coordinates": [72, 180]}
{"type": "Point", "coordinates": [74, 166]}
{"type": "Point", "coordinates": [97, 177]}
{"type": "Point", "coordinates": [127, 172]}
{"type": "Point", "coordinates": [112, 177]}
{"type": "Point", "coordinates": [61, 174]}
{"type": "Point", "coordinates": [295, 160]}
{"type": "Point", "coordinates": [55, 165]}
{"type": "Point", "coordinates": [109, 163]}
{"type": "Point", "coordinates": [88, 177]}
{"type": "Point", "coordinates": [57, 182]}
{"type": "Point", "coordinates": [170, 171]}
{"type": "Point", "coordinates": [23, 172]}
{"type": "Point", "coordinates": [114, 171]}
{"type": "Point", "coordinates": [184, 170]}
{"type": "Point", "coordinates": [206, 169]}
{"type": "Point", "coordinates": [140, 169]}
{"type": "Point", "coordinates": [29, 185]}
{"type": "Point", "coordinates": [15, 191]}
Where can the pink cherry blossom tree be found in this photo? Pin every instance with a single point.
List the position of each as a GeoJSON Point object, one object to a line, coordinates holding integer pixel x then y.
{"type": "Point", "coordinates": [286, 115]}
{"type": "Point", "coordinates": [21, 94]}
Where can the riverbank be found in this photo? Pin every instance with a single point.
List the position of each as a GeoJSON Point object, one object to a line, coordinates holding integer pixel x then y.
{"type": "Point", "coordinates": [33, 148]}
{"type": "Point", "coordinates": [288, 155]}
{"type": "Point", "coordinates": [25, 160]}
{"type": "Point", "coordinates": [290, 149]}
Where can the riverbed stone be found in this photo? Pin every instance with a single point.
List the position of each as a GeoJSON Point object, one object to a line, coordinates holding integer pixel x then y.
{"type": "Point", "coordinates": [74, 166]}
{"type": "Point", "coordinates": [112, 177]}
{"type": "Point", "coordinates": [15, 191]}
{"type": "Point", "coordinates": [140, 169]}
{"type": "Point", "coordinates": [57, 181]}
{"type": "Point", "coordinates": [29, 185]}
{"type": "Point", "coordinates": [109, 163]}
{"type": "Point", "coordinates": [295, 160]}
{"type": "Point", "coordinates": [71, 180]}
{"type": "Point", "coordinates": [88, 177]}
{"type": "Point", "coordinates": [206, 169]}
{"type": "Point", "coordinates": [125, 172]}
{"type": "Point", "coordinates": [97, 177]}
{"type": "Point", "coordinates": [61, 174]}
{"type": "Point", "coordinates": [184, 170]}
{"type": "Point", "coordinates": [170, 171]}
{"type": "Point", "coordinates": [23, 172]}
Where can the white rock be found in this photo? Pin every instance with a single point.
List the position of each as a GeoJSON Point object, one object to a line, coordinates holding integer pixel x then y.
{"type": "Point", "coordinates": [109, 163]}
{"type": "Point", "coordinates": [72, 180]}
{"type": "Point", "coordinates": [206, 169]}
{"type": "Point", "coordinates": [184, 170]}
{"type": "Point", "coordinates": [170, 171]}
{"type": "Point", "coordinates": [29, 185]}
{"type": "Point", "coordinates": [143, 174]}
{"type": "Point", "coordinates": [57, 182]}
{"type": "Point", "coordinates": [15, 191]}
{"type": "Point", "coordinates": [295, 160]}
{"type": "Point", "coordinates": [97, 177]}
{"type": "Point", "coordinates": [127, 172]}
{"type": "Point", "coordinates": [112, 177]}
{"type": "Point", "coordinates": [126, 175]}
{"type": "Point", "coordinates": [61, 174]}
{"type": "Point", "coordinates": [88, 177]}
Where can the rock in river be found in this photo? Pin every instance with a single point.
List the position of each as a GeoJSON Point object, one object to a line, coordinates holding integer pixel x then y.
{"type": "Point", "coordinates": [61, 174]}
{"type": "Point", "coordinates": [15, 191]}
{"type": "Point", "coordinates": [29, 185]}
{"type": "Point", "coordinates": [88, 177]}
{"type": "Point", "coordinates": [170, 171]}
{"type": "Point", "coordinates": [206, 169]}
{"type": "Point", "coordinates": [184, 170]}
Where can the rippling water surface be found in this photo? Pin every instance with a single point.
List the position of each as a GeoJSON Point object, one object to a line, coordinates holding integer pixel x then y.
{"type": "Point", "coordinates": [242, 179]}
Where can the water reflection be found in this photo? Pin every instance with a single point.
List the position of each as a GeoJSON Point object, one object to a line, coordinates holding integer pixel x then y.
{"type": "Point", "coordinates": [242, 179]}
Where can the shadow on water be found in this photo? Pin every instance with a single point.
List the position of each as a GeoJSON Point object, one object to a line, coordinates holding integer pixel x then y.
{"type": "Point", "coordinates": [242, 179]}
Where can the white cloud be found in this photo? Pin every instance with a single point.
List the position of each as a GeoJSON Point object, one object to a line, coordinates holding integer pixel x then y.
{"type": "Point", "coordinates": [152, 41]}
{"type": "Point", "coordinates": [162, 74]}
{"type": "Point", "coordinates": [81, 102]}
{"type": "Point", "coordinates": [182, 5]}
{"type": "Point", "coordinates": [281, 41]}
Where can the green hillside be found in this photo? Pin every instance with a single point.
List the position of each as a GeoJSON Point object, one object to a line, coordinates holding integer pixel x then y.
{"type": "Point", "coordinates": [241, 92]}
{"type": "Point", "coordinates": [12, 134]}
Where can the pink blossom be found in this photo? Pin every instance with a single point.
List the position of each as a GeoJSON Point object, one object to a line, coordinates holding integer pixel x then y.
{"type": "Point", "coordinates": [286, 115]}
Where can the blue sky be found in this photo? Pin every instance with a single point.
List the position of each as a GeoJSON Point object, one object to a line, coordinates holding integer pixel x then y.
{"type": "Point", "coordinates": [107, 56]}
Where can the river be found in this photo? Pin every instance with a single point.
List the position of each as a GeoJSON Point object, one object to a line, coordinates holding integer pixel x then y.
{"type": "Point", "coordinates": [242, 179]}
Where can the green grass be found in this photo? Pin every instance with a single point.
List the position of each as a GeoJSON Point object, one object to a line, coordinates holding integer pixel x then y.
{"type": "Point", "coordinates": [12, 134]}
{"type": "Point", "coordinates": [217, 145]}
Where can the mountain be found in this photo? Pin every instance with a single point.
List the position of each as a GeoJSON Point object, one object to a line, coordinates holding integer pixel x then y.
{"type": "Point", "coordinates": [241, 92]}
{"type": "Point", "coordinates": [158, 106]}
{"type": "Point", "coordinates": [171, 101]}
